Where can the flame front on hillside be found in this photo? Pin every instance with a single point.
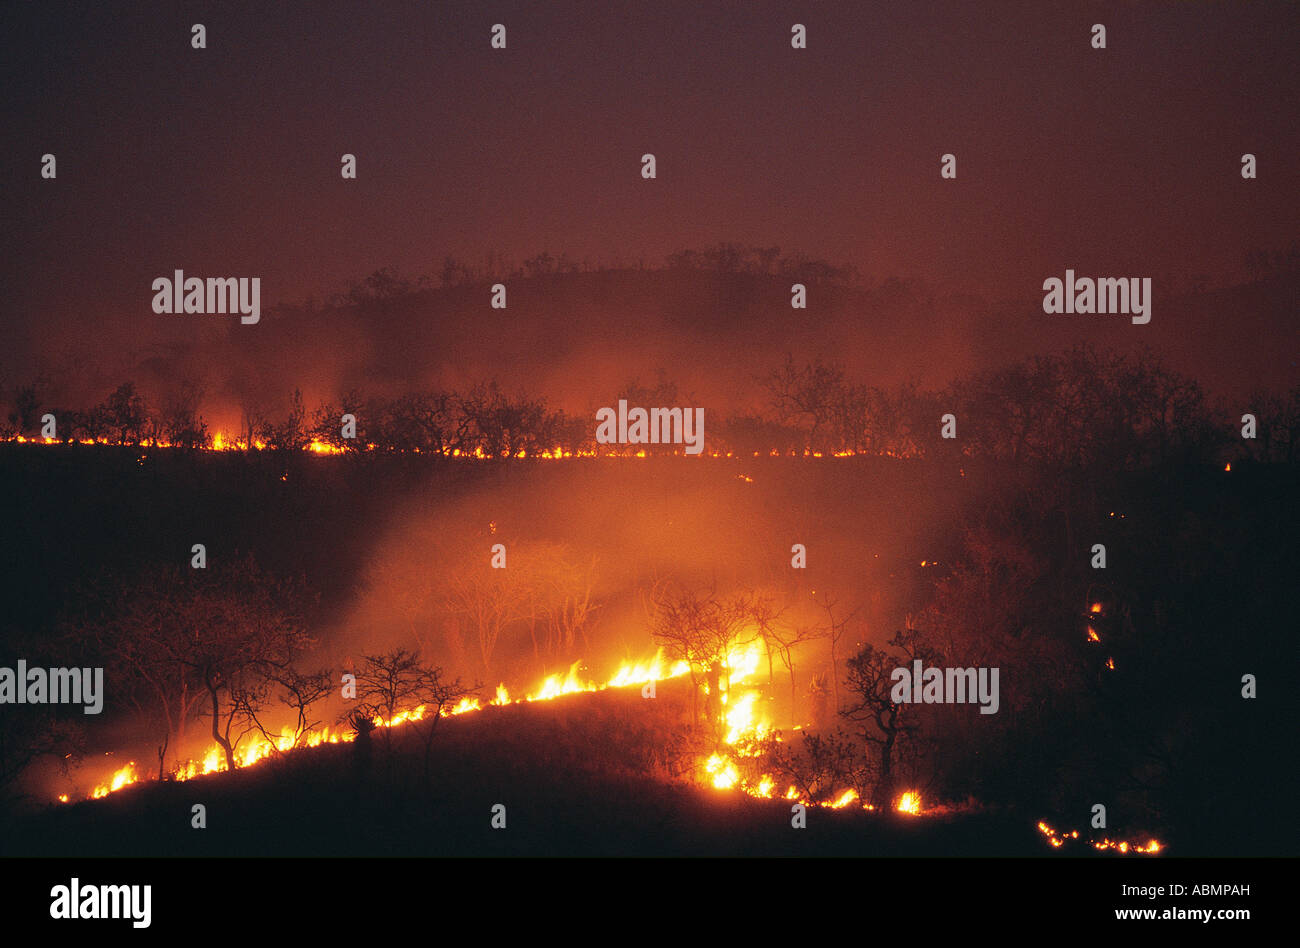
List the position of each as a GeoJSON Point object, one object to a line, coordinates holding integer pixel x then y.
{"type": "Point", "coordinates": [254, 751]}
{"type": "Point", "coordinates": [744, 719]}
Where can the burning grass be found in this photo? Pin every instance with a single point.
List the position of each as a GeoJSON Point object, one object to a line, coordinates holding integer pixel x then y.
{"type": "Point", "coordinates": [637, 745]}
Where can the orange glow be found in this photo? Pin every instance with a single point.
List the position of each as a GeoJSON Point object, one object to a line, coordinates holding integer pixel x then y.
{"type": "Point", "coordinates": [122, 778]}
{"type": "Point", "coordinates": [252, 752]}
{"type": "Point", "coordinates": [554, 686]}
{"type": "Point", "coordinates": [722, 772]}
{"type": "Point", "coordinates": [222, 441]}
{"type": "Point", "coordinates": [320, 447]}
{"type": "Point", "coordinates": [1057, 840]}
{"type": "Point", "coordinates": [465, 706]}
{"type": "Point", "coordinates": [909, 803]}
{"type": "Point", "coordinates": [844, 799]}
{"type": "Point", "coordinates": [745, 719]}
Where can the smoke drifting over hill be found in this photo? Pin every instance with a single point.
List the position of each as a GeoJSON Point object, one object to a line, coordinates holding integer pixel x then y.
{"type": "Point", "coordinates": [577, 339]}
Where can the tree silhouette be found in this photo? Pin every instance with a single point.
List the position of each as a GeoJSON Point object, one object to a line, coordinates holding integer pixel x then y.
{"type": "Point", "coordinates": [884, 724]}
{"type": "Point", "coordinates": [399, 681]}
{"type": "Point", "coordinates": [178, 640]}
{"type": "Point", "coordinates": [705, 630]}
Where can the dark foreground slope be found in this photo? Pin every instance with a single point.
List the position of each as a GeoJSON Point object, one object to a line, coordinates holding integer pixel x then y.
{"type": "Point", "coordinates": [574, 775]}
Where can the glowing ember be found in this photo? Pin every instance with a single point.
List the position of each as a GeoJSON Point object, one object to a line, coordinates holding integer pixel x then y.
{"type": "Point", "coordinates": [1057, 840]}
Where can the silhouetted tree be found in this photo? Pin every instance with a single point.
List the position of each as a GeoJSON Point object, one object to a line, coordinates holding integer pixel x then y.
{"type": "Point", "coordinates": [399, 681]}
{"type": "Point", "coordinates": [180, 423]}
{"type": "Point", "coordinates": [31, 734]}
{"type": "Point", "coordinates": [813, 395]}
{"type": "Point", "coordinates": [125, 414]}
{"type": "Point", "coordinates": [884, 724]}
{"type": "Point", "coordinates": [176, 639]}
{"type": "Point", "coordinates": [705, 630]}
{"type": "Point", "coordinates": [781, 640]}
{"type": "Point", "coordinates": [292, 433]}
{"type": "Point", "coordinates": [27, 407]}
{"type": "Point", "coordinates": [485, 600]}
{"type": "Point", "coordinates": [295, 690]}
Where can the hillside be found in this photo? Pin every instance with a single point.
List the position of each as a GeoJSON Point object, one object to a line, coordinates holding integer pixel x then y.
{"type": "Point", "coordinates": [577, 777]}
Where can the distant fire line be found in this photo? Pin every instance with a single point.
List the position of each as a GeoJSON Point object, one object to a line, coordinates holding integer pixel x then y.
{"type": "Point", "coordinates": [220, 442]}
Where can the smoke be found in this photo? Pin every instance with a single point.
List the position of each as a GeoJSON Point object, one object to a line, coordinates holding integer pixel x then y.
{"type": "Point", "coordinates": [577, 339]}
{"type": "Point", "coordinates": [615, 529]}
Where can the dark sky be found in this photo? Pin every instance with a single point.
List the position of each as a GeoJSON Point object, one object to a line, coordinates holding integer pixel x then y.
{"type": "Point", "coordinates": [225, 161]}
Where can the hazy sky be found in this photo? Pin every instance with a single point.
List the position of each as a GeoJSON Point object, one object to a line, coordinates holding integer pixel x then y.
{"type": "Point", "coordinates": [225, 161]}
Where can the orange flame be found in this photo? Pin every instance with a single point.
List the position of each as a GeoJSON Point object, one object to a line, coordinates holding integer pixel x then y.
{"type": "Point", "coordinates": [909, 803]}
{"type": "Point", "coordinates": [1057, 840]}
{"type": "Point", "coordinates": [744, 719]}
